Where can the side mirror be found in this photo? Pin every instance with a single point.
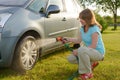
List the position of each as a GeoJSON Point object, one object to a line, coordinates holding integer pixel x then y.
{"type": "Point", "coordinates": [52, 9]}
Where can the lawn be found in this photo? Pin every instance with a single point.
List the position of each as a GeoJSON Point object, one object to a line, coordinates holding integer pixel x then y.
{"type": "Point", "coordinates": [55, 66]}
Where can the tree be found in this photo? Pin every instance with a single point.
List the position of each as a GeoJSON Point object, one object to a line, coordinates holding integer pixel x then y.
{"type": "Point", "coordinates": [109, 20]}
{"type": "Point", "coordinates": [102, 21]}
{"type": "Point", "coordinates": [111, 5]}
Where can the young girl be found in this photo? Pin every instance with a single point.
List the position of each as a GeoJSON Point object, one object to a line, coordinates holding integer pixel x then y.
{"type": "Point", "coordinates": [94, 50]}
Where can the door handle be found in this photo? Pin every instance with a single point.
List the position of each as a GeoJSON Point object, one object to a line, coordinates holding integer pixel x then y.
{"type": "Point", "coordinates": [64, 19]}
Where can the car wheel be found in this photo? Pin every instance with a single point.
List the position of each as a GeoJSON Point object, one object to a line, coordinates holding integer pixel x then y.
{"type": "Point", "coordinates": [26, 54]}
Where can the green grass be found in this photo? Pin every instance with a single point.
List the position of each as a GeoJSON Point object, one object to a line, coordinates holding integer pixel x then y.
{"type": "Point", "coordinates": [55, 66]}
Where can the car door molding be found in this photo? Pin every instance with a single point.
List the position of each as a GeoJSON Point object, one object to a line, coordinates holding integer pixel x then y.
{"type": "Point", "coordinates": [62, 31]}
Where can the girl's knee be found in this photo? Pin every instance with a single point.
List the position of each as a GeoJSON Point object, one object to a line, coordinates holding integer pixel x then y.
{"type": "Point", "coordinates": [82, 50]}
{"type": "Point", "coordinates": [72, 59]}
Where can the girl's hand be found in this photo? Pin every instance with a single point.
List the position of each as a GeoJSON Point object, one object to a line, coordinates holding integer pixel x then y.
{"type": "Point", "coordinates": [75, 52]}
{"type": "Point", "coordinates": [65, 39]}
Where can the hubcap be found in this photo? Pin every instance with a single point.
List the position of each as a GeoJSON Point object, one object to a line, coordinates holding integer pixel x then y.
{"type": "Point", "coordinates": [29, 54]}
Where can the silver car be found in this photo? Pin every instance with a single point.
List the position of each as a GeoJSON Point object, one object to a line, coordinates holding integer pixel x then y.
{"type": "Point", "coordinates": [22, 22]}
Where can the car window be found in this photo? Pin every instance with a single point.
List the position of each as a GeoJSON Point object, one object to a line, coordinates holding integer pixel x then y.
{"type": "Point", "coordinates": [38, 5]}
{"type": "Point", "coordinates": [70, 6]}
{"type": "Point", "coordinates": [12, 2]}
{"type": "Point", "coordinates": [57, 2]}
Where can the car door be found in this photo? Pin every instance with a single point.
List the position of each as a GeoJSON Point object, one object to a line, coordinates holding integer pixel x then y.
{"type": "Point", "coordinates": [54, 24]}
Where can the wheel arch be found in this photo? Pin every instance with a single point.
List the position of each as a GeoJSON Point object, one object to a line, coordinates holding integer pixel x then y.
{"type": "Point", "coordinates": [29, 32]}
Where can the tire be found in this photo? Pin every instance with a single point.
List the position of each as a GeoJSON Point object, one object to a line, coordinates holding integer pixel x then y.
{"type": "Point", "coordinates": [26, 54]}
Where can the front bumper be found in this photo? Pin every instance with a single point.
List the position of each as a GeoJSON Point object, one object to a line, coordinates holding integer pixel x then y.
{"type": "Point", "coordinates": [7, 46]}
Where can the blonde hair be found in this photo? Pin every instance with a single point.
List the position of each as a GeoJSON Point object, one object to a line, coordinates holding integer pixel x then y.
{"type": "Point", "coordinates": [89, 18]}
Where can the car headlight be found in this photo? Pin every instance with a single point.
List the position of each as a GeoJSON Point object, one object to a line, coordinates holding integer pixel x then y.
{"type": "Point", "coordinates": [3, 18]}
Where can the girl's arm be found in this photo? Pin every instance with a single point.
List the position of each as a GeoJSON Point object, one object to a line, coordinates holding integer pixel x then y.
{"type": "Point", "coordinates": [94, 40]}
{"type": "Point", "coordinates": [74, 40]}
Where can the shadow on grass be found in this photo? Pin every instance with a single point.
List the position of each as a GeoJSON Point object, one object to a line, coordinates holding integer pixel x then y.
{"type": "Point", "coordinates": [60, 75]}
{"type": "Point", "coordinates": [7, 72]}
{"type": "Point", "coordinates": [110, 32]}
{"type": "Point", "coordinates": [62, 50]}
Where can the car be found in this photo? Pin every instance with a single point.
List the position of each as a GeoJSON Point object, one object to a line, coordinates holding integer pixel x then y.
{"type": "Point", "coordinates": [22, 22]}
